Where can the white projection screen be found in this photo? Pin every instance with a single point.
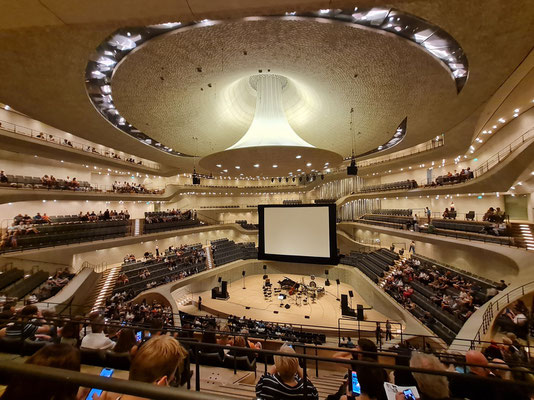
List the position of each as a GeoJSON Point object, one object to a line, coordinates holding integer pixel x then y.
{"type": "Point", "coordinates": [298, 233]}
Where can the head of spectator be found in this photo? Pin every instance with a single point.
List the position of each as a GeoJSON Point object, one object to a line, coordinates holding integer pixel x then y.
{"type": "Point", "coordinates": [126, 341]}
{"type": "Point", "coordinates": [70, 333]}
{"type": "Point", "coordinates": [98, 324]}
{"type": "Point", "coordinates": [500, 371]}
{"type": "Point", "coordinates": [286, 367]}
{"type": "Point", "coordinates": [159, 361]}
{"type": "Point", "coordinates": [478, 362]}
{"type": "Point", "coordinates": [433, 386]}
{"type": "Point", "coordinates": [54, 355]}
{"type": "Point", "coordinates": [156, 326]}
{"type": "Point", "coordinates": [372, 383]}
{"type": "Point", "coordinates": [367, 346]}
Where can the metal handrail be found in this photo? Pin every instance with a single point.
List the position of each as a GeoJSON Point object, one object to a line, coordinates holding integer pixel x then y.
{"type": "Point", "coordinates": [47, 137]}
{"type": "Point", "coordinates": [505, 152]}
{"type": "Point", "coordinates": [495, 306]}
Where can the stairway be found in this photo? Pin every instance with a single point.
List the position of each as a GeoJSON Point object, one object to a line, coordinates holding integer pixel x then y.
{"type": "Point", "coordinates": [209, 257]}
{"type": "Point", "coordinates": [103, 288]}
{"type": "Point", "coordinates": [523, 234]}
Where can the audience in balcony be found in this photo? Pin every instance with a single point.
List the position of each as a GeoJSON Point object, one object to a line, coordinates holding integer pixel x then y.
{"type": "Point", "coordinates": [456, 177]}
{"type": "Point", "coordinates": [3, 177]}
{"type": "Point", "coordinates": [168, 216]}
{"type": "Point", "coordinates": [27, 325]}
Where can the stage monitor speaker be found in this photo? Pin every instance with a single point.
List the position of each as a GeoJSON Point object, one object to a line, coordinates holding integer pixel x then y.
{"type": "Point", "coordinates": [276, 312]}
{"type": "Point", "coordinates": [214, 293]}
{"type": "Point", "coordinates": [224, 289]}
{"type": "Point", "coordinates": [359, 312]}
{"type": "Point", "coordinates": [287, 306]}
{"type": "Point", "coordinates": [327, 282]}
{"type": "Point", "coordinates": [219, 279]}
{"type": "Point", "coordinates": [345, 309]}
{"type": "Point", "coordinates": [247, 308]}
{"type": "Point", "coordinates": [196, 180]}
{"type": "Point", "coordinates": [326, 272]}
{"type": "Point", "coordinates": [338, 282]}
{"type": "Point", "coordinates": [351, 294]}
{"type": "Point", "coordinates": [307, 316]}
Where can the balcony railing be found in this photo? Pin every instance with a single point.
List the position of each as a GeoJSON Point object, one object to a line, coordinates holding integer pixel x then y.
{"type": "Point", "coordinates": [87, 148]}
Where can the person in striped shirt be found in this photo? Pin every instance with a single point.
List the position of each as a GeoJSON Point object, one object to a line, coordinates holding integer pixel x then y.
{"type": "Point", "coordinates": [284, 380]}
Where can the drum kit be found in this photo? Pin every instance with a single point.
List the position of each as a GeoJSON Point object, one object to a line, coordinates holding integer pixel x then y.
{"type": "Point", "coordinates": [300, 292]}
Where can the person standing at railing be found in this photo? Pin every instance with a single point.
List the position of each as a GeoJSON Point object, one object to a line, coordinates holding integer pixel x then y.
{"type": "Point", "coordinates": [428, 214]}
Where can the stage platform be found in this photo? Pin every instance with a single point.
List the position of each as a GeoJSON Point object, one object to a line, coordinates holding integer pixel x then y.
{"type": "Point", "coordinates": [250, 303]}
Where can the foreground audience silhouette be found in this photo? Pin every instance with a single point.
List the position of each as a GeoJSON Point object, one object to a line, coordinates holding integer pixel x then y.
{"type": "Point", "coordinates": [54, 355]}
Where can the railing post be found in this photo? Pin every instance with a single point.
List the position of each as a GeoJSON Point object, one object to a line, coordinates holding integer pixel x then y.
{"type": "Point", "coordinates": [197, 369]}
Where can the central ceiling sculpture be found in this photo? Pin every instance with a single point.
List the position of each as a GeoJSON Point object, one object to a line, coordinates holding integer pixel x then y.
{"type": "Point", "coordinates": [270, 147]}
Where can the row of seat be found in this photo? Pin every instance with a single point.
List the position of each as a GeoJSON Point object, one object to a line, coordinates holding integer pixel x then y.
{"type": "Point", "coordinates": [169, 226]}
{"type": "Point", "coordinates": [374, 264]}
{"type": "Point", "coordinates": [402, 185]}
{"type": "Point", "coordinates": [78, 236]}
{"type": "Point", "coordinates": [401, 212]}
{"type": "Point", "coordinates": [36, 183]}
{"type": "Point", "coordinates": [10, 277]}
{"type": "Point", "coordinates": [23, 287]}
{"type": "Point", "coordinates": [226, 251]}
{"type": "Point", "coordinates": [396, 219]}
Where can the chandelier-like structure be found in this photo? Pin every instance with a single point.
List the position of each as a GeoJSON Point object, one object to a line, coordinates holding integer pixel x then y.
{"type": "Point", "coordinates": [270, 147]}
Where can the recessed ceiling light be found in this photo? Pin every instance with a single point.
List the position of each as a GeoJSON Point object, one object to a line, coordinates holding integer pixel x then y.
{"type": "Point", "coordinates": [308, 164]}
{"type": "Point", "coordinates": [256, 165]}
{"type": "Point", "coordinates": [494, 126]}
{"type": "Point", "coordinates": [502, 120]}
{"type": "Point", "coordinates": [516, 110]}
{"type": "Point", "coordinates": [516, 115]}
{"type": "Point", "coordinates": [218, 165]}
{"type": "Point", "coordinates": [237, 167]}
{"type": "Point", "coordinates": [275, 166]}
{"type": "Point", "coordinates": [298, 156]}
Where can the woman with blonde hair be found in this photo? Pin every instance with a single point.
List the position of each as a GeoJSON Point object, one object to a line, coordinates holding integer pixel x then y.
{"type": "Point", "coordinates": [284, 379]}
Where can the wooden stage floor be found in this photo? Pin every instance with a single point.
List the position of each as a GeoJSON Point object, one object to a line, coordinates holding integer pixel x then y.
{"type": "Point", "coordinates": [324, 312]}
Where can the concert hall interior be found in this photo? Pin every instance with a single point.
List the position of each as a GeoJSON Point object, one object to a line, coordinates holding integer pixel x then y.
{"type": "Point", "coordinates": [316, 199]}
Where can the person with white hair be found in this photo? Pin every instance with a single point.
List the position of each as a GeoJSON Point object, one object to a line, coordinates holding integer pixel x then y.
{"type": "Point", "coordinates": [431, 387]}
{"type": "Point", "coordinates": [284, 380]}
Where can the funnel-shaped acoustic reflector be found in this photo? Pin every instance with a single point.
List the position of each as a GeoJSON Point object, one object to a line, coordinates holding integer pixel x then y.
{"type": "Point", "coordinates": [270, 147]}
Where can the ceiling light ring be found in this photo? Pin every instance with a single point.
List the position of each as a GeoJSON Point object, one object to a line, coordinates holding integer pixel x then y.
{"type": "Point", "coordinates": [109, 55]}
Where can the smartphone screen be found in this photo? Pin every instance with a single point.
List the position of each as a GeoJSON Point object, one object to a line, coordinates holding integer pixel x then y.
{"type": "Point", "coordinates": [148, 334]}
{"type": "Point", "coordinates": [408, 394]}
{"type": "Point", "coordinates": [106, 372]}
{"type": "Point", "coordinates": [139, 336]}
{"type": "Point", "coordinates": [354, 384]}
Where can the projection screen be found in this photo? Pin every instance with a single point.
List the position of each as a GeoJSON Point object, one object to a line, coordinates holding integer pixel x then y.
{"type": "Point", "coordinates": [298, 233]}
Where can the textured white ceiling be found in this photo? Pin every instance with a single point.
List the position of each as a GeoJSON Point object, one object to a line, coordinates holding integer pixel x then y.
{"type": "Point", "coordinates": [42, 69]}
{"type": "Point", "coordinates": [331, 68]}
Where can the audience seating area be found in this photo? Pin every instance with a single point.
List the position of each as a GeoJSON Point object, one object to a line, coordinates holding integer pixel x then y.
{"type": "Point", "coordinates": [473, 230]}
{"type": "Point", "coordinates": [226, 251]}
{"type": "Point", "coordinates": [25, 286]}
{"type": "Point", "coordinates": [374, 264]}
{"type": "Point", "coordinates": [161, 270]}
{"type": "Point", "coordinates": [245, 225]}
{"type": "Point", "coordinates": [292, 202]}
{"type": "Point", "coordinates": [161, 221]}
{"type": "Point", "coordinates": [68, 232]}
{"type": "Point", "coordinates": [398, 212]}
{"type": "Point", "coordinates": [402, 185]}
{"type": "Point", "coordinates": [390, 221]}
{"type": "Point", "coordinates": [35, 182]}
{"type": "Point", "coordinates": [9, 277]}
{"type": "Point", "coordinates": [325, 201]}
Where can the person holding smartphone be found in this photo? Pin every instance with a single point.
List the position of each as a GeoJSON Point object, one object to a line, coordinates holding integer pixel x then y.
{"type": "Point", "coordinates": [366, 383]}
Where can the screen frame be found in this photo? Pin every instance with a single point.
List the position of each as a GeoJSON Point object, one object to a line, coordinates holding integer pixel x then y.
{"type": "Point", "coordinates": [333, 257]}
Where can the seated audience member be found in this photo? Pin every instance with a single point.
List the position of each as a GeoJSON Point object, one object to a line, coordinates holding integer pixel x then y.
{"type": "Point", "coordinates": [284, 380]}
{"type": "Point", "coordinates": [3, 178]}
{"type": "Point", "coordinates": [97, 340]}
{"type": "Point", "coordinates": [160, 361]}
{"type": "Point", "coordinates": [475, 390]}
{"type": "Point", "coordinates": [70, 333]}
{"type": "Point", "coordinates": [127, 343]}
{"type": "Point", "coordinates": [365, 349]}
{"type": "Point", "coordinates": [446, 213]}
{"type": "Point", "coordinates": [371, 384]}
{"type": "Point", "coordinates": [431, 387]}
{"type": "Point", "coordinates": [53, 355]}
{"type": "Point", "coordinates": [26, 326]}
{"type": "Point", "coordinates": [241, 341]}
